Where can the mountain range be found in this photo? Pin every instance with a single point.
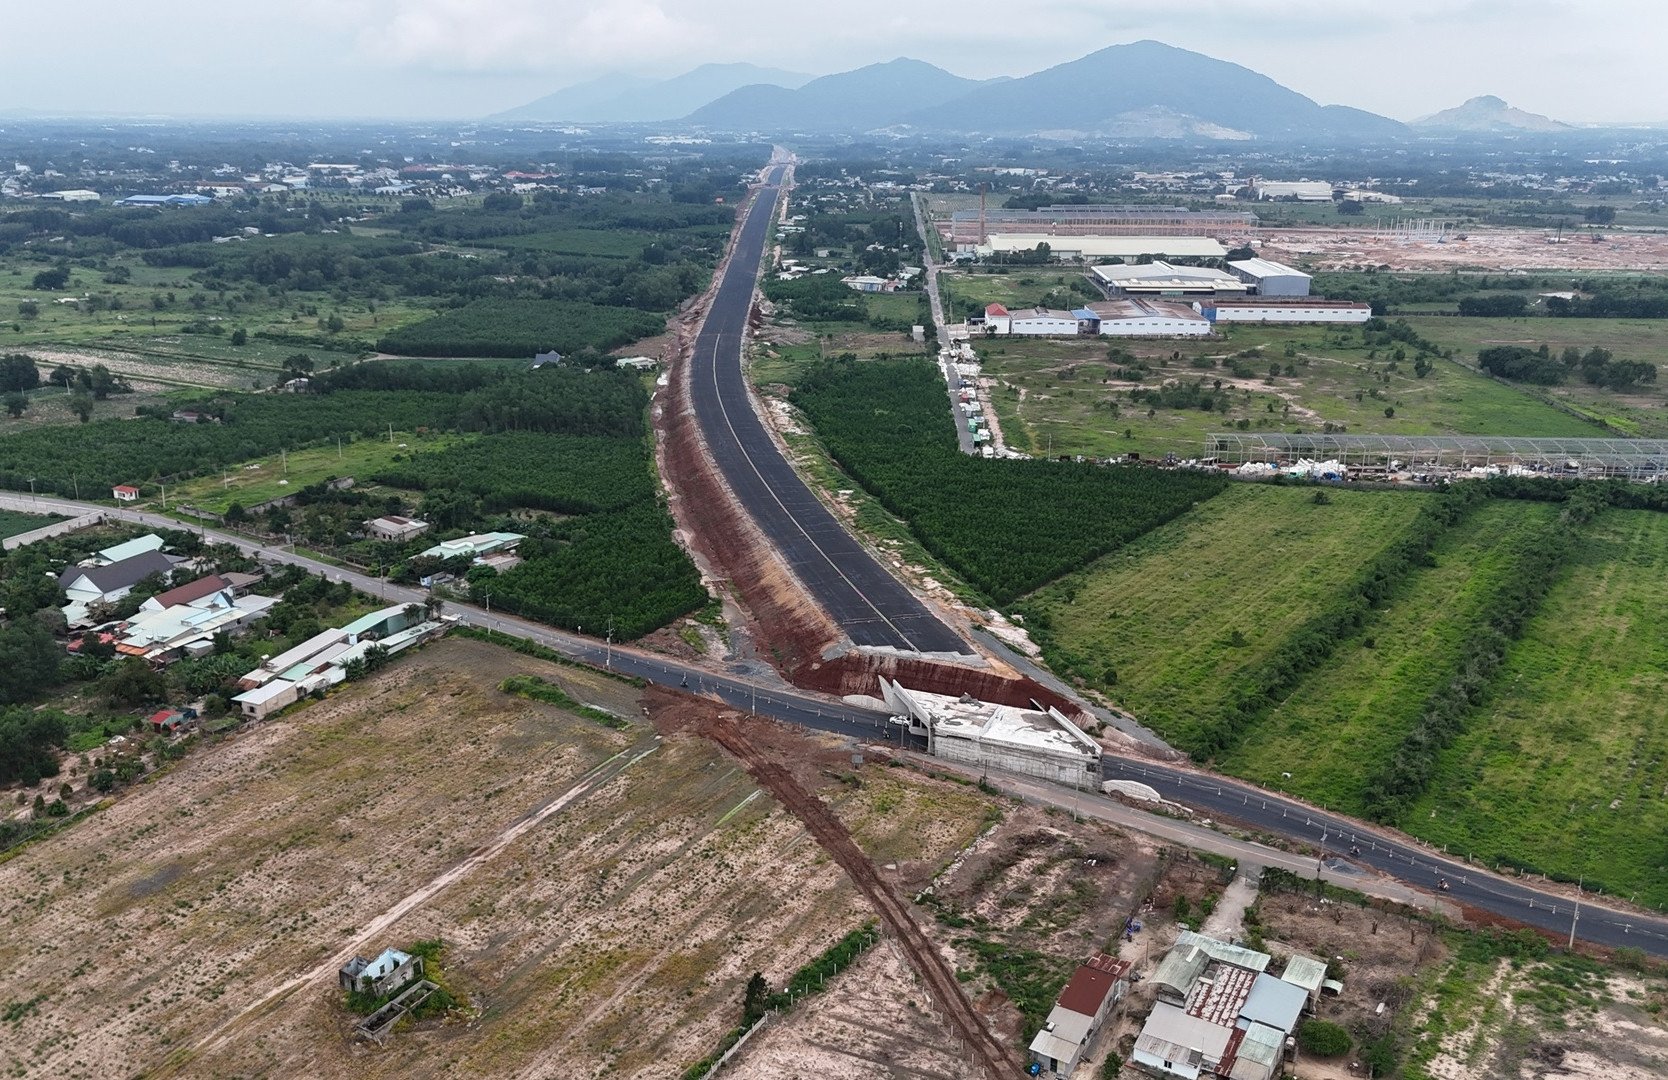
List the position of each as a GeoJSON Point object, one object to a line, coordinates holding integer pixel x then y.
{"type": "Point", "coordinates": [636, 99]}
{"type": "Point", "coordinates": [1143, 90]}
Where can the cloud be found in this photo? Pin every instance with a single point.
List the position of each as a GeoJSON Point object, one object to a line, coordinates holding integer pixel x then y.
{"type": "Point", "coordinates": [509, 36]}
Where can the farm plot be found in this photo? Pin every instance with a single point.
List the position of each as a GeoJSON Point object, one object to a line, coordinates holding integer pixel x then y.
{"type": "Point", "coordinates": [1162, 625]}
{"type": "Point", "coordinates": [143, 928]}
{"type": "Point", "coordinates": [13, 523]}
{"type": "Point", "coordinates": [1564, 769]}
{"type": "Point", "coordinates": [1350, 714]}
{"type": "Point", "coordinates": [618, 932]}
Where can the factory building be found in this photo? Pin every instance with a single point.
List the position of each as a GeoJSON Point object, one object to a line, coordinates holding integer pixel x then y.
{"type": "Point", "coordinates": [1142, 318]}
{"type": "Point", "coordinates": [1085, 248]}
{"type": "Point", "coordinates": [1271, 278]}
{"type": "Point", "coordinates": [971, 227]}
{"type": "Point", "coordinates": [1300, 190]}
{"type": "Point", "coordinates": [1163, 279]}
{"type": "Point", "coordinates": [1042, 322]}
{"type": "Point", "coordinates": [1036, 742]}
{"type": "Point", "coordinates": [1291, 310]}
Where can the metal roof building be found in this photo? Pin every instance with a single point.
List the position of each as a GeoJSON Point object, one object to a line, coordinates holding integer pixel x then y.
{"type": "Point", "coordinates": [1271, 278]}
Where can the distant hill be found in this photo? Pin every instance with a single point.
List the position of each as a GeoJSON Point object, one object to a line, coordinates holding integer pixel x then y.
{"type": "Point", "coordinates": [879, 95]}
{"type": "Point", "coordinates": [1489, 114]}
{"type": "Point", "coordinates": [1154, 90]}
{"type": "Point", "coordinates": [629, 99]}
{"type": "Point", "coordinates": [1143, 90]}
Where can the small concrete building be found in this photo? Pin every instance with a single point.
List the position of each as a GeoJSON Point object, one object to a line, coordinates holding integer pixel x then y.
{"type": "Point", "coordinates": [264, 700]}
{"type": "Point", "coordinates": [395, 527]}
{"type": "Point", "coordinates": [1036, 741]}
{"type": "Point", "coordinates": [1271, 278]}
{"type": "Point", "coordinates": [391, 970]}
{"type": "Point", "coordinates": [125, 493]}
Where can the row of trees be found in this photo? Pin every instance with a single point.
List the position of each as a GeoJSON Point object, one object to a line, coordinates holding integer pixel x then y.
{"type": "Point", "coordinates": [1539, 559]}
{"type": "Point", "coordinates": [521, 328]}
{"type": "Point", "coordinates": [1007, 527]}
{"type": "Point", "coordinates": [1596, 366]}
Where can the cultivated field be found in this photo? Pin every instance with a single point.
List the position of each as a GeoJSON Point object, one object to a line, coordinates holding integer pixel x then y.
{"type": "Point", "coordinates": [1564, 768]}
{"type": "Point", "coordinates": [1177, 611]}
{"type": "Point", "coordinates": [12, 523]}
{"type": "Point", "coordinates": [603, 896]}
{"type": "Point", "coordinates": [1349, 715]}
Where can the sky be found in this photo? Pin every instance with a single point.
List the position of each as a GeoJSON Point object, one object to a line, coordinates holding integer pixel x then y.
{"type": "Point", "coordinates": [1574, 60]}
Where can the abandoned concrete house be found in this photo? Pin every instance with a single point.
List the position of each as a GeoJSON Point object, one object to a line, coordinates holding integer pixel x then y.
{"type": "Point", "coordinates": [387, 973]}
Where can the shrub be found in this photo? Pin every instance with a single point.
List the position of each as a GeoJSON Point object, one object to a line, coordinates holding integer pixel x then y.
{"type": "Point", "coordinates": [1323, 1038]}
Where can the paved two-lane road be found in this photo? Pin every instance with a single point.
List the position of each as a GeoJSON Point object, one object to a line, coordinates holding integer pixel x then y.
{"type": "Point", "coordinates": [868, 603]}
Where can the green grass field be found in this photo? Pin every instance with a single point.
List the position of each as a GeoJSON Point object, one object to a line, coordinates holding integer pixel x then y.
{"type": "Point", "coordinates": [13, 523]}
{"type": "Point", "coordinates": [137, 323]}
{"type": "Point", "coordinates": [1054, 394]}
{"type": "Point", "coordinates": [1350, 714]}
{"type": "Point", "coordinates": [1027, 286]}
{"type": "Point", "coordinates": [257, 481]}
{"type": "Point", "coordinates": [1567, 765]}
{"type": "Point", "coordinates": [1164, 611]}
{"type": "Point", "coordinates": [1641, 413]}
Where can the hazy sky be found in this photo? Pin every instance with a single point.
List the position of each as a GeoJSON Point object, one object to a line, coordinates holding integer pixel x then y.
{"type": "Point", "coordinates": [1578, 60]}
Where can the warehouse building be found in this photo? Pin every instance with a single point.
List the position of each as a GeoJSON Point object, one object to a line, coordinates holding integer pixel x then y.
{"type": "Point", "coordinates": [1292, 310]}
{"type": "Point", "coordinates": [1299, 190]}
{"type": "Point", "coordinates": [1042, 322]}
{"type": "Point", "coordinates": [1163, 279]}
{"type": "Point", "coordinates": [1271, 278]}
{"type": "Point", "coordinates": [1085, 248]}
{"type": "Point", "coordinates": [1036, 742]}
{"type": "Point", "coordinates": [1142, 318]}
{"type": "Point", "coordinates": [971, 227]}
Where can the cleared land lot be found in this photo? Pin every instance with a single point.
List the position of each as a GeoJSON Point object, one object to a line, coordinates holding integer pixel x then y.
{"type": "Point", "coordinates": [1164, 612]}
{"type": "Point", "coordinates": [1566, 765]}
{"type": "Point", "coordinates": [614, 936]}
{"type": "Point", "coordinates": [1066, 397]}
{"type": "Point", "coordinates": [1350, 714]}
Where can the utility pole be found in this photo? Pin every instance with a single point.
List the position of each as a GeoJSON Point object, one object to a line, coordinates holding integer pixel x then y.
{"type": "Point", "coordinates": [1575, 917]}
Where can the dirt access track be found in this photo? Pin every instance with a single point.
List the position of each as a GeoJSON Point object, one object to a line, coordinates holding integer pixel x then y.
{"type": "Point", "coordinates": [835, 839]}
{"type": "Point", "coordinates": [798, 637]}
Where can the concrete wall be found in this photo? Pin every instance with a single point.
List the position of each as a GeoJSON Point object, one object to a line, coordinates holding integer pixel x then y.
{"type": "Point", "coordinates": [1355, 316]}
{"type": "Point", "coordinates": [1154, 328]}
{"type": "Point", "coordinates": [1059, 768]}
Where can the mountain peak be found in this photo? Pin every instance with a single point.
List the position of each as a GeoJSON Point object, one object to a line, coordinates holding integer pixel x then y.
{"type": "Point", "coordinates": [1487, 113]}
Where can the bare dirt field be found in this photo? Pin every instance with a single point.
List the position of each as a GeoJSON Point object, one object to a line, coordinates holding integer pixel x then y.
{"type": "Point", "coordinates": [603, 896]}
{"type": "Point", "coordinates": [1481, 249]}
{"type": "Point", "coordinates": [875, 1020]}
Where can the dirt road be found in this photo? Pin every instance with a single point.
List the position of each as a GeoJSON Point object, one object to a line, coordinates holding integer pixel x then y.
{"type": "Point", "coordinates": [923, 956]}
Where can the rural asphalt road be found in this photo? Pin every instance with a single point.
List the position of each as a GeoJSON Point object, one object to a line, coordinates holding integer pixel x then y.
{"type": "Point", "coordinates": [1209, 796]}
{"type": "Point", "coordinates": [868, 603]}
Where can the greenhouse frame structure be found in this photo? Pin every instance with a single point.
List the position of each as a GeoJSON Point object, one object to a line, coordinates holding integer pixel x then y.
{"type": "Point", "coordinates": [1637, 459]}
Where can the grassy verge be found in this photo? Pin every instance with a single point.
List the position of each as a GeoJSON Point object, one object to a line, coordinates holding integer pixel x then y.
{"type": "Point", "coordinates": [534, 688]}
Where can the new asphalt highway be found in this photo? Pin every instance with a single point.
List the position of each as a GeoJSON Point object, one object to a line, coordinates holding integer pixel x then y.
{"type": "Point", "coordinates": [1208, 796]}
{"type": "Point", "coordinates": [867, 602]}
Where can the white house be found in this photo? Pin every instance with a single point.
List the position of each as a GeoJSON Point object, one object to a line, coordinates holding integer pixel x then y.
{"type": "Point", "coordinates": [125, 493]}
